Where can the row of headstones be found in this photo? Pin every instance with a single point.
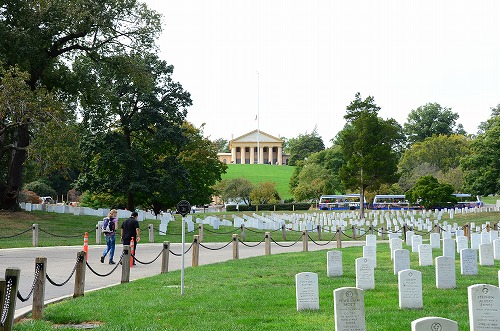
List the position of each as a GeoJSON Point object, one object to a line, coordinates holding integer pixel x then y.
{"type": "Point", "coordinates": [349, 308]}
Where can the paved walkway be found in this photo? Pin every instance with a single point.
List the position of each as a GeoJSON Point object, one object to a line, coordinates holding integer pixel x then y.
{"type": "Point", "coordinates": [61, 261]}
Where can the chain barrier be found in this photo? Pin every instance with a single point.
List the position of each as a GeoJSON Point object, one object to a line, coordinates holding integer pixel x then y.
{"type": "Point", "coordinates": [78, 260]}
{"type": "Point", "coordinates": [216, 249]}
{"type": "Point", "coordinates": [281, 245]}
{"type": "Point", "coordinates": [210, 231]}
{"type": "Point", "coordinates": [6, 304]}
{"type": "Point", "coordinates": [156, 258]}
{"type": "Point", "coordinates": [180, 254]}
{"type": "Point", "coordinates": [260, 232]}
{"type": "Point", "coordinates": [15, 235]}
{"type": "Point", "coordinates": [260, 242]}
{"type": "Point", "coordinates": [319, 244]}
{"type": "Point", "coordinates": [61, 236]}
{"type": "Point", "coordinates": [38, 268]}
{"type": "Point", "coordinates": [109, 273]}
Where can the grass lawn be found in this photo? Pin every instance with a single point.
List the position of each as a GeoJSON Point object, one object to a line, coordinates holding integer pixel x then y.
{"type": "Point", "coordinates": [259, 294]}
{"type": "Point", "coordinates": [257, 173]}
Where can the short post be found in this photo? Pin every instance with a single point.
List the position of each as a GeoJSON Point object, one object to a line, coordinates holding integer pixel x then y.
{"type": "Point", "coordinates": [196, 250]}
{"type": "Point", "coordinates": [11, 279]}
{"type": "Point", "coordinates": [268, 242]}
{"type": "Point", "coordinates": [495, 226]}
{"type": "Point", "coordinates": [236, 251]}
{"type": "Point", "coordinates": [370, 228]}
{"type": "Point", "coordinates": [318, 228]}
{"type": "Point", "coordinates": [243, 236]}
{"type": "Point", "coordinates": [339, 239]}
{"type": "Point", "coordinates": [80, 274]}
{"type": "Point", "coordinates": [436, 228]}
{"type": "Point", "coordinates": [466, 230]}
{"type": "Point", "coordinates": [488, 228]}
{"type": "Point", "coordinates": [97, 234]}
{"type": "Point", "coordinates": [305, 241]}
{"type": "Point", "coordinates": [164, 257]}
{"type": "Point", "coordinates": [353, 232]}
{"type": "Point", "coordinates": [382, 233]}
{"type": "Point", "coordinates": [283, 232]}
{"type": "Point", "coordinates": [200, 232]}
{"type": "Point", "coordinates": [405, 228]}
{"type": "Point", "coordinates": [39, 289]}
{"type": "Point", "coordinates": [151, 233]}
{"type": "Point", "coordinates": [125, 264]}
{"type": "Point", "coordinates": [35, 235]}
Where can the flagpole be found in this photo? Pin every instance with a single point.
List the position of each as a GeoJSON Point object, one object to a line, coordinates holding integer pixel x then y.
{"type": "Point", "coordinates": [258, 119]}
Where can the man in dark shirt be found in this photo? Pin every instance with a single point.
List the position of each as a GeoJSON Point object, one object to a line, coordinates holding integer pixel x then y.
{"type": "Point", "coordinates": [130, 228]}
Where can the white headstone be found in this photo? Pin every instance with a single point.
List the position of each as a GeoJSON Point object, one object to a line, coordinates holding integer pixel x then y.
{"type": "Point", "coordinates": [449, 247]}
{"type": "Point", "coordinates": [485, 237]}
{"type": "Point", "coordinates": [434, 324]}
{"type": "Point", "coordinates": [409, 234]}
{"type": "Point", "coordinates": [349, 307]}
{"type": "Point", "coordinates": [371, 240]}
{"type": "Point", "coordinates": [365, 273]}
{"type": "Point", "coordinates": [334, 263]}
{"type": "Point", "coordinates": [424, 255]}
{"type": "Point", "coordinates": [496, 249]}
{"type": "Point", "coordinates": [475, 240]}
{"type": "Point", "coordinates": [416, 240]}
{"type": "Point", "coordinates": [468, 261]}
{"type": "Point", "coordinates": [410, 289]}
{"type": "Point", "coordinates": [401, 260]}
{"type": "Point", "coordinates": [462, 242]}
{"type": "Point", "coordinates": [484, 307]}
{"type": "Point", "coordinates": [486, 255]}
{"type": "Point", "coordinates": [371, 252]}
{"type": "Point", "coordinates": [395, 243]}
{"type": "Point", "coordinates": [307, 291]}
{"type": "Point", "coordinates": [445, 272]}
{"type": "Point", "coordinates": [435, 240]}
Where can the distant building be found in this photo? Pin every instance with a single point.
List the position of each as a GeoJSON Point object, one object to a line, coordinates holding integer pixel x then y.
{"type": "Point", "coordinates": [253, 148]}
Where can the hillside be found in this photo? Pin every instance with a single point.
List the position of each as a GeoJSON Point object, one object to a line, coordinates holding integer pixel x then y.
{"type": "Point", "coordinates": [257, 173]}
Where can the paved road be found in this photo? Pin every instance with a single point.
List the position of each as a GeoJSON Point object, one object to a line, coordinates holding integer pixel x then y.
{"type": "Point", "coordinates": [61, 261]}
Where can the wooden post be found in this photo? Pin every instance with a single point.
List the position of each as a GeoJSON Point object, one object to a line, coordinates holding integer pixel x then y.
{"type": "Point", "coordinates": [164, 257]}
{"type": "Point", "coordinates": [196, 250]}
{"type": "Point", "coordinates": [151, 233]}
{"type": "Point", "coordinates": [353, 232]}
{"type": "Point", "coordinates": [404, 232]}
{"type": "Point", "coordinates": [495, 226]}
{"type": "Point", "coordinates": [80, 274]}
{"type": "Point", "coordinates": [382, 235]}
{"type": "Point", "coordinates": [488, 228]}
{"type": "Point", "coordinates": [98, 234]}
{"type": "Point", "coordinates": [126, 264]}
{"type": "Point", "coordinates": [339, 238]}
{"type": "Point", "coordinates": [243, 236]}
{"type": "Point", "coordinates": [283, 232]}
{"type": "Point", "coordinates": [318, 228]}
{"type": "Point", "coordinates": [35, 235]}
{"type": "Point", "coordinates": [200, 232]}
{"type": "Point", "coordinates": [466, 230]}
{"type": "Point", "coordinates": [39, 289]}
{"type": "Point", "coordinates": [268, 243]}
{"type": "Point", "coordinates": [236, 251]}
{"type": "Point", "coordinates": [305, 241]}
{"type": "Point", "coordinates": [12, 281]}
{"type": "Point", "coordinates": [436, 228]}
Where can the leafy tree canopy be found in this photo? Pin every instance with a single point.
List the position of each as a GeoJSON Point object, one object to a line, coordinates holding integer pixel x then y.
{"type": "Point", "coordinates": [303, 146]}
{"type": "Point", "coordinates": [431, 194]}
{"type": "Point", "coordinates": [265, 193]}
{"type": "Point", "coordinates": [236, 189]}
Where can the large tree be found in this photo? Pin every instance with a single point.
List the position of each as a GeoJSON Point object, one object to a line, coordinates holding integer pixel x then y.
{"type": "Point", "coordinates": [429, 193]}
{"type": "Point", "coordinates": [367, 142]}
{"type": "Point", "coordinates": [431, 119]}
{"type": "Point", "coordinates": [303, 146]}
{"type": "Point", "coordinates": [42, 38]}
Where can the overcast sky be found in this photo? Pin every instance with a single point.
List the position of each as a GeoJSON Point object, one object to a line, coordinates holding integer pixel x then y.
{"type": "Point", "coordinates": [299, 63]}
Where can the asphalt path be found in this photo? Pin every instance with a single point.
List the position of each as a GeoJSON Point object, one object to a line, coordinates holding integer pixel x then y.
{"type": "Point", "coordinates": [62, 259]}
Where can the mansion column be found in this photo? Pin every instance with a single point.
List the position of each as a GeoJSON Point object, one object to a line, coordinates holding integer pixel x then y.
{"type": "Point", "coordinates": [270, 159]}
{"type": "Point", "coordinates": [252, 155]}
{"type": "Point", "coordinates": [233, 155]}
{"type": "Point", "coordinates": [280, 155]}
{"type": "Point", "coordinates": [261, 154]}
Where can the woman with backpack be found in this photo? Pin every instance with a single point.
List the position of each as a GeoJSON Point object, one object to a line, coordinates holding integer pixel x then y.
{"type": "Point", "coordinates": [110, 224]}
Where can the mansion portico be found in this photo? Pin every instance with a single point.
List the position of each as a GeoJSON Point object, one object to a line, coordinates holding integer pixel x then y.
{"type": "Point", "coordinates": [255, 147]}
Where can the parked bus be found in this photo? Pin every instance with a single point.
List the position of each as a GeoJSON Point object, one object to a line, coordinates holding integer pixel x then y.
{"type": "Point", "coordinates": [392, 202]}
{"type": "Point", "coordinates": [340, 202]}
{"type": "Point", "coordinates": [468, 200]}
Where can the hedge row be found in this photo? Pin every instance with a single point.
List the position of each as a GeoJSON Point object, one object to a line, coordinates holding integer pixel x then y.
{"type": "Point", "coordinates": [269, 207]}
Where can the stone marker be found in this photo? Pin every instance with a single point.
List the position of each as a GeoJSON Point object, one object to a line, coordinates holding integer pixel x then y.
{"type": "Point", "coordinates": [371, 240]}
{"type": "Point", "coordinates": [484, 307]}
{"type": "Point", "coordinates": [416, 240]}
{"type": "Point", "coordinates": [468, 261]}
{"type": "Point", "coordinates": [424, 255]}
{"type": "Point", "coordinates": [410, 289]}
{"type": "Point", "coordinates": [307, 291]}
{"type": "Point", "coordinates": [496, 249]}
{"type": "Point", "coordinates": [349, 309]}
{"type": "Point", "coordinates": [445, 272]}
{"type": "Point", "coordinates": [486, 255]}
{"type": "Point", "coordinates": [462, 242]}
{"type": "Point", "coordinates": [365, 273]}
{"type": "Point", "coordinates": [395, 243]}
{"type": "Point", "coordinates": [371, 252]}
{"type": "Point", "coordinates": [434, 324]}
{"type": "Point", "coordinates": [401, 260]}
{"type": "Point", "coordinates": [334, 263]}
{"type": "Point", "coordinates": [435, 240]}
{"type": "Point", "coordinates": [449, 247]}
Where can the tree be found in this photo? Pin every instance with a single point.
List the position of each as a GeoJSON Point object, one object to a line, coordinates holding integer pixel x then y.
{"type": "Point", "coordinates": [42, 38]}
{"type": "Point", "coordinates": [236, 189]}
{"type": "Point", "coordinates": [222, 145]}
{"type": "Point", "coordinates": [482, 167]}
{"type": "Point", "coordinates": [367, 143]}
{"type": "Point", "coordinates": [265, 192]}
{"type": "Point", "coordinates": [430, 193]}
{"type": "Point", "coordinates": [431, 119]}
{"type": "Point", "coordinates": [303, 146]}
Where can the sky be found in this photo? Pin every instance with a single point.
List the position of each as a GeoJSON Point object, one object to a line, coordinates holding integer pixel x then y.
{"type": "Point", "coordinates": [297, 64]}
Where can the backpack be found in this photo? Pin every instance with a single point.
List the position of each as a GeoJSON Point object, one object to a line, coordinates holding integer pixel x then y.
{"type": "Point", "coordinates": [108, 226]}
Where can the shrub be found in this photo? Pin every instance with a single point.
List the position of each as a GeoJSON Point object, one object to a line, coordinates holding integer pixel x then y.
{"type": "Point", "coordinates": [40, 188]}
{"type": "Point", "coordinates": [29, 197]}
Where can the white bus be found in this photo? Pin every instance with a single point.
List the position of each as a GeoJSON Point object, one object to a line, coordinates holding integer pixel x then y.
{"type": "Point", "coordinates": [468, 200]}
{"type": "Point", "coordinates": [391, 202]}
{"type": "Point", "coordinates": [340, 202]}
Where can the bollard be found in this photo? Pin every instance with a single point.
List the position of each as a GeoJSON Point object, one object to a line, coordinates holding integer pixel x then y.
{"type": "Point", "coordinates": [405, 228]}
{"type": "Point", "coordinates": [11, 286]}
{"type": "Point", "coordinates": [267, 237]}
{"type": "Point", "coordinates": [354, 232]}
{"type": "Point", "coordinates": [200, 232]}
{"type": "Point", "coordinates": [164, 257]}
{"type": "Point", "coordinates": [35, 235]}
{"type": "Point", "coordinates": [236, 252]}
{"type": "Point", "coordinates": [339, 239]}
{"type": "Point", "coordinates": [151, 233]}
{"type": "Point", "coordinates": [495, 226]}
{"type": "Point", "coordinates": [436, 228]}
{"type": "Point", "coordinates": [196, 250]}
{"type": "Point", "coordinates": [126, 266]}
{"type": "Point", "coordinates": [132, 251]}
{"type": "Point", "coordinates": [39, 289]}
{"type": "Point", "coordinates": [465, 228]}
{"type": "Point", "coordinates": [243, 232]}
{"type": "Point", "coordinates": [283, 232]}
{"type": "Point", "coordinates": [80, 274]}
{"type": "Point", "coordinates": [98, 234]}
{"type": "Point", "coordinates": [488, 228]}
{"type": "Point", "coordinates": [305, 241]}
{"type": "Point", "coordinates": [318, 228]}
{"type": "Point", "coordinates": [86, 245]}
{"type": "Point", "coordinates": [382, 233]}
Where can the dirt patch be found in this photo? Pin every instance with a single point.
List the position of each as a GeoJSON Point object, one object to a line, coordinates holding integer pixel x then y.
{"type": "Point", "coordinates": [80, 326]}
{"type": "Point", "coordinates": [18, 215]}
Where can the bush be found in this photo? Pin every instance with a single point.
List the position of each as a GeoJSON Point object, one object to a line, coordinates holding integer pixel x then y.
{"type": "Point", "coordinates": [29, 197]}
{"type": "Point", "coordinates": [41, 189]}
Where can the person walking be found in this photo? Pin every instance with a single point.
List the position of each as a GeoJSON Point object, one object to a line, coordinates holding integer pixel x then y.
{"type": "Point", "coordinates": [130, 228]}
{"type": "Point", "coordinates": [110, 235]}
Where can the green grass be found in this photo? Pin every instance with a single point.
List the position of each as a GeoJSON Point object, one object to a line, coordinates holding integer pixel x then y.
{"type": "Point", "coordinates": [491, 200]}
{"type": "Point", "coordinates": [259, 294]}
{"type": "Point", "coordinates": [257, 173]}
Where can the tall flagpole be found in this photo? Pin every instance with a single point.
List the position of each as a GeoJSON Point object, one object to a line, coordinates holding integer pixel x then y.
{"type": "Point", "coordinates": [258, 119]}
